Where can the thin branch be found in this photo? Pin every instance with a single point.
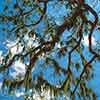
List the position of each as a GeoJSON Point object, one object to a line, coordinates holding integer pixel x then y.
{"type": "Point", "coordinates": [93, 24]}
{"type": "Point", "coordinates": [57, 67]}
{"type": "Point", "coordinates": [82, 73]}
{"type": "Point", "coordinates": [44, 11]}
{"type": "Point", "coordinates": [77, 45]}
{"type": "Point", "coordinates": [4, 67]}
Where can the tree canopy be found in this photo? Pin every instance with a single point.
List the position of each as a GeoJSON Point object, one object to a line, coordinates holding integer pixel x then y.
{"type": "Point", "coordinates": [51, 48]}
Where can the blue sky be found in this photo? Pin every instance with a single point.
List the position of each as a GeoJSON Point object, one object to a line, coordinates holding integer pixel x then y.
{"type": "Point", "coordinates": [52, 12]}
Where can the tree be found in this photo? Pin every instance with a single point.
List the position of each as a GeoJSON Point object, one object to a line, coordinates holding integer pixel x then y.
{"type": "Point", "coordinates": [41, 36]}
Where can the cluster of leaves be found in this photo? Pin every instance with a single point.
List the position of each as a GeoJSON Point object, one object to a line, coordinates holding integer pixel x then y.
{"type": "Point", "coordinates": [30, 24]}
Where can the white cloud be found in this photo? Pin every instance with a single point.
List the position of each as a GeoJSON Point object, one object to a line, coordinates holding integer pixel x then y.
{"type": "Point", "coordinates": [14, 47]}
{"type": "Point", "coordinates": [30, 41]}
{"type": "Point", "coordinates": [18, 94]}
{"type": "Point", "coordinates": [85, 41]}
{"type": "Point", "coordinates": [57, 45]}
{"type": "Point", "coordinates": [1, 83]}
{"type": "Point", "coordinates": [19, 70]}
{"type": "Point", "coordinates": [1, 56]}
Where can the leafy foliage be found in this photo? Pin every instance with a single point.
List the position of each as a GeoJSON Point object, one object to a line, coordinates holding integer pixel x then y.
{"type": "Point", "coordinates": [44, 39]}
